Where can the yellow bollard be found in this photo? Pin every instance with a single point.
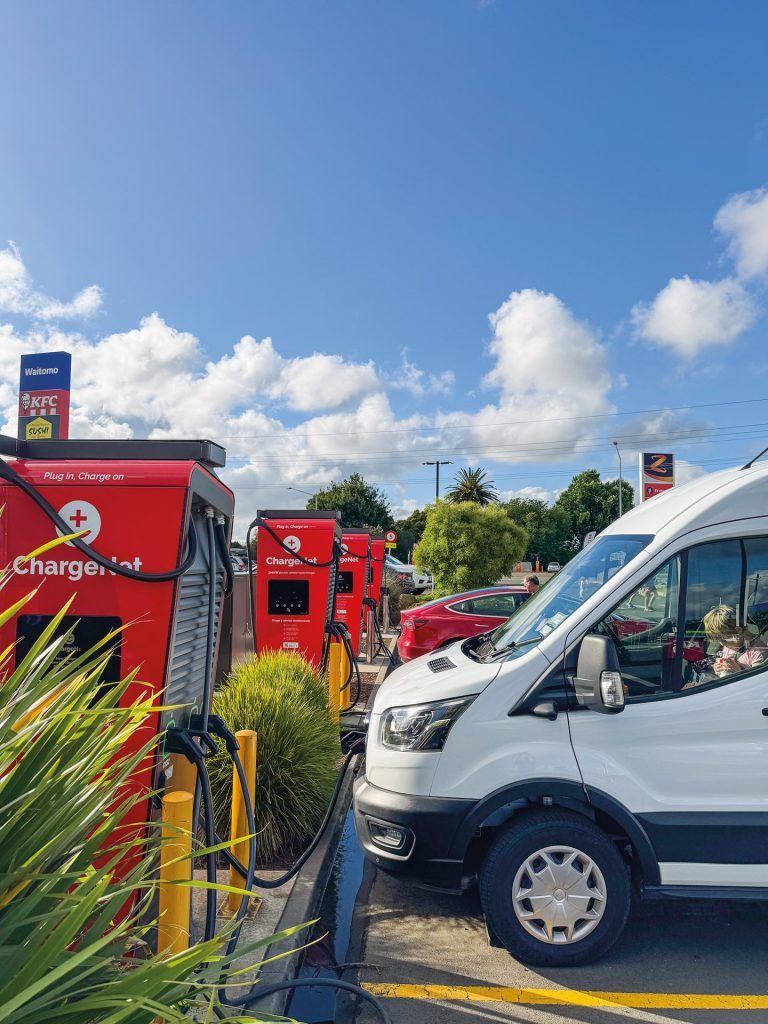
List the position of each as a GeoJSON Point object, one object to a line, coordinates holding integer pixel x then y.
{"type": "Point", "coordinates": [345, 696]}
{"type": "Point", "coordinates": [184, 776]}
{"type": "Point", "coordinates": [239, 828]}
{"type": "Point", "coordinates": [175, 900]}
{"type": "Point", "coordinates": [334, 677]}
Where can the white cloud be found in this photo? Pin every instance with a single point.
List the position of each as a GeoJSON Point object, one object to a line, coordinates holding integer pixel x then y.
{"type": "Point", "coordinates": [549, 371]}
{"type": "Point", "coordinates": [322, 382]}
{"type": "Point", "coordinates": [533, 493]}
{"type": "Point", "coordinates": [688, 316]}
{"type": "Point", "coordinates": [18, 296]}
{"type": "Point", "coordinates": [552, 374]}
{"type": "Point", "coordinates": [540, 347]}
{"type": "Point", "coordinates": [405, 508]}
{"type": "Point", "coordinates": [418, 382]}
{"type": "Point", "coordinates": [743, 221]}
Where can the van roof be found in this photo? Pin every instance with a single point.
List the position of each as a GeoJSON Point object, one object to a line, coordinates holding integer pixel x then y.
{"type": "Point", "coordinates": [730, 494]}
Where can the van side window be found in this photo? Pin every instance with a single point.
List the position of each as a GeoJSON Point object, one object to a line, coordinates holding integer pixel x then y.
{"type": "Point", "coordinates": [701, 619]}
{"type": "Point", "coordinates": [756, 591]}
{"type": "Point", "coordinates": [644, 629]}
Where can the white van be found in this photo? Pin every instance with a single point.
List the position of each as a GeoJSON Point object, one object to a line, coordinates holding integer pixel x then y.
{"type": "Point", "coordinates": [611, 735]}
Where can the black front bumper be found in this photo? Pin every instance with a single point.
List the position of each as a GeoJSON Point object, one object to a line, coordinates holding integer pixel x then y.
{"type": "Point", "coordinates": [429, 825]}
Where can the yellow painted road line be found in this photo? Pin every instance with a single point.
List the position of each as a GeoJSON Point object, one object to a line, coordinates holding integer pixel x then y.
{"type": "Point", "coordinates": [571, 997]}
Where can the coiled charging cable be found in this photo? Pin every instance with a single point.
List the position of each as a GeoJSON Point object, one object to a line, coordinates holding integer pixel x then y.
{"type": "Point", "coordinates": [11, 476]}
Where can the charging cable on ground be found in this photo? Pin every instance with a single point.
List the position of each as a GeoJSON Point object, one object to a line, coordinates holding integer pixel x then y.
{"type": "Point", "coordinates": [259, 991]}
{"type": "Point", "coordinates": [337, 983]}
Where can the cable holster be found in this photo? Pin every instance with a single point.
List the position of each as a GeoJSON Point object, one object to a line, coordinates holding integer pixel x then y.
{"type": "Point", "coordinates": [181, 740]}
{"type": "Point", "coordinates": [216, 727]}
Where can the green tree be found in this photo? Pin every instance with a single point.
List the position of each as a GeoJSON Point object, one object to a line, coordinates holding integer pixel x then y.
{"type": "Point", "coordinates": [409, 532]}
{"type": "Point", "coordinates": [547, 527]}
{"type": "Point", "coordinates": [472, 485]}
{"type": "Point", "coordinates": [466, 546]}
{"type": "Point", "coordinates": [362, 505]}
{"type": "Point", "coordinates": [590, 503]}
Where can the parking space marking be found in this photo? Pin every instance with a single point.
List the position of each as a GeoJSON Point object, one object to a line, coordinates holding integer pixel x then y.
{"type": "Point", "coordinates": [572, 997]}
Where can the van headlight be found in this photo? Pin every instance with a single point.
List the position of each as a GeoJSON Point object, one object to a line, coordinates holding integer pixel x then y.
{"type": "Point", "coordinates": [421, 726]}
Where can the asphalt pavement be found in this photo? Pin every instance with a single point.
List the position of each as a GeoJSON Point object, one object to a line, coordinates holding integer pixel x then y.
{"type": "Point", "coordinates": [426, 955]}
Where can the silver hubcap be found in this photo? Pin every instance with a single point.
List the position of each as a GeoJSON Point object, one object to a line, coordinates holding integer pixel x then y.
{"type": "Point", "coordinates": [559, 895]}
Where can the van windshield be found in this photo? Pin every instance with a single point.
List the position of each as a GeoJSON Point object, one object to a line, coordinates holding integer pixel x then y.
{"type": "Point", "coordinates": [568, 590]}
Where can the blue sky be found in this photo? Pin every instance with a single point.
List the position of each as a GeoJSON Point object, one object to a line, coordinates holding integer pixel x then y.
{"type": "Point", "coordinates": [352, 179]}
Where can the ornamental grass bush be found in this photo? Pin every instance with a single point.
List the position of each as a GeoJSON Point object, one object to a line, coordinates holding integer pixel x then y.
{"type": "Point", "coordinates": [285, 700]}
{"type": "Point", "coordinates": [64, 948]}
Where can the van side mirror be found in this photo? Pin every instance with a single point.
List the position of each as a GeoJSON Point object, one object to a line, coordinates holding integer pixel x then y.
{"type": "Point", "coordinates": [598, 681]}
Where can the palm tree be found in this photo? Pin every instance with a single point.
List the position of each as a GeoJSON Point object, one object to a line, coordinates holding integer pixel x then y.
{"type": "Point", "coordinates": [472, 485]}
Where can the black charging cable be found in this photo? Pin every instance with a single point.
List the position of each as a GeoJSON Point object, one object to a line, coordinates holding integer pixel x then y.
{"type": "Point", "coordinates": [196, 744]}
{"type": "Point", "coordinates": [259, 521]}
{"type": "Point", "coordinates": [261, 992]}
{"type": "Point", "coordinates": [381, 644]}
{"type": "Point", "coordinates": [276, 883]}
{"type": "Point", "coordinates": [342, 631]}
{"type": "Point", "coordinates": [224, 556]}
{"type": "Point", "coordinates": [10, 475]}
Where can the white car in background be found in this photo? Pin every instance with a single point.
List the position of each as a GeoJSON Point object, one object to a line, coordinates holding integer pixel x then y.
{"type": "Point", "coordinates": [554, 567]}
{"type": "Point", "coordinates": [419, 581]}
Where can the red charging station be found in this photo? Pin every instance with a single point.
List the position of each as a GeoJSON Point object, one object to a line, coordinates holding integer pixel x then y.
{"type": "Point", "coordinates": [145, 505]}
{"type": "Point", "coordinates": [376, 572]}
{"type": "Point", "coordinates": [296, 556]}
{"type": "Point", "coordinates": [352, 582]}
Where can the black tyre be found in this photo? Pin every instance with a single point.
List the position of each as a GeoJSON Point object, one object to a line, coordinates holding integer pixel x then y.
{"type": "Point", "coordinates": [555, 890]}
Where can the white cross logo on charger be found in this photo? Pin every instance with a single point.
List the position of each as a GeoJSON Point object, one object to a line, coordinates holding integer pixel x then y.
{"type": "Point", "coordinates": [81, 515]}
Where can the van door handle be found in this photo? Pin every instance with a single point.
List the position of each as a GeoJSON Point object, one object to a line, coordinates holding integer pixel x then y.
{"type": "Point", "coordinates": [765, 712]}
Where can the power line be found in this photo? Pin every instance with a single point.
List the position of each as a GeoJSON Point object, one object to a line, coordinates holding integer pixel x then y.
{"type": "Point", "coordinates": [541, 449]}
{"type": "Point", "coordinates": [531, 477]}
{"type": "Point", "coordinates": [296, 431]}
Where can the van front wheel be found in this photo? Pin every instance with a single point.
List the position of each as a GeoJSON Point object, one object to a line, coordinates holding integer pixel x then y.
{"type": "Point", "coordinates": [555, 890]}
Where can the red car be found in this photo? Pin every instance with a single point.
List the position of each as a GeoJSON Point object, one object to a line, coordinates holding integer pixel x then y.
{"type": "Point", "coordinates": [437, 623]}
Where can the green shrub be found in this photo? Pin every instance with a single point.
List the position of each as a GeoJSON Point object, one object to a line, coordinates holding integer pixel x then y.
{"type": "Point", "coordinates": [284, 700]}
{"type": "Point", "coordinates": [468, 546]}
{"type": "Point", "coordinates": [287, 670]}
{"type": "Point", "coordinates": [407, 601]}
{"type": "Point", "coordinates": [63, 954]}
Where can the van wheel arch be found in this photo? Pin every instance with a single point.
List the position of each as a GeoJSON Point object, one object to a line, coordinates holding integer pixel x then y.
{"type": "Point", "coordinates": [536, 795]}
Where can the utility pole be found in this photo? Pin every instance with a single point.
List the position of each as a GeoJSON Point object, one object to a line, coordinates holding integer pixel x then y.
{"type": "Point", "coordinates": [437, 466]}
{"type": "Point", "coordinates": [621, 482]}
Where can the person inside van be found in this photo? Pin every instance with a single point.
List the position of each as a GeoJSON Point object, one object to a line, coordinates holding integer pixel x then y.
{"type": "Point", "coordinates": [531, 584]}
{"type": "Point", "coordinates": [740, 651]}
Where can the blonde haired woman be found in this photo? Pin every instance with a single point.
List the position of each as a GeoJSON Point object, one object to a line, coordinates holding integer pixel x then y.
{"type": "Point", "coordinates": [740, 651]}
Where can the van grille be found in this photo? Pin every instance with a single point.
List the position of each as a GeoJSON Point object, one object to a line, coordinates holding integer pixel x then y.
{"type": "Point", "coordinates": [441, 664]}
